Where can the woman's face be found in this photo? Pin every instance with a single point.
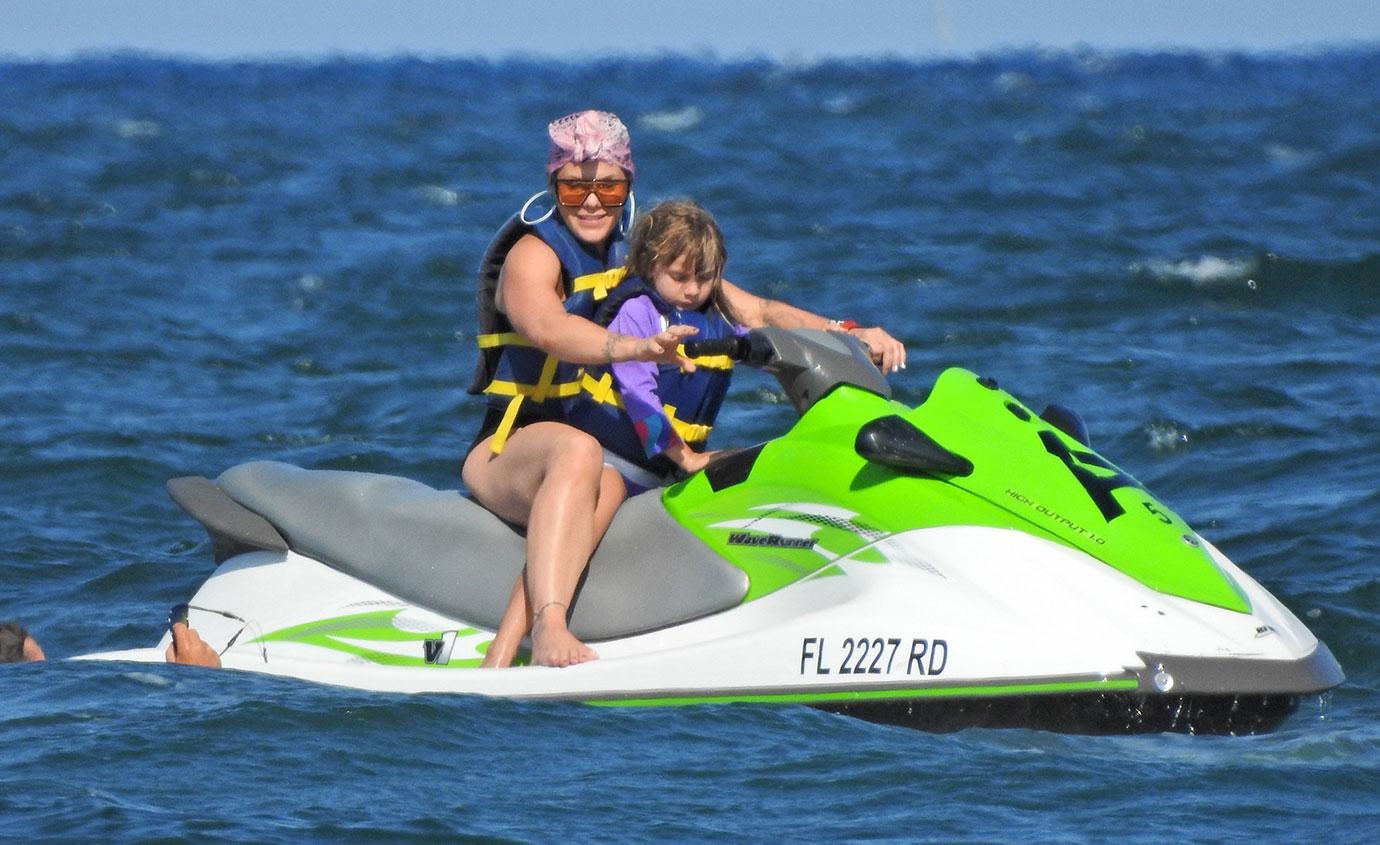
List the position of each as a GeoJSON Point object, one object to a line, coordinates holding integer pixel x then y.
{"type": "Point", "coordinates": [591, 222]}
{"type": "Point", "coordinates": [684, 285]}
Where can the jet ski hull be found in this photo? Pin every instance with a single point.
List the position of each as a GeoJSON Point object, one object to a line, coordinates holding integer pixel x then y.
{"type": "Point", "coordinates": [962, 562]}
{"type": "Point", "coordinates": [965, 626]}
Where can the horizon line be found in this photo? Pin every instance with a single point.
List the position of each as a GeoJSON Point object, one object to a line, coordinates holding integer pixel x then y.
{"type": "Point", "coordinates": [705, 55]}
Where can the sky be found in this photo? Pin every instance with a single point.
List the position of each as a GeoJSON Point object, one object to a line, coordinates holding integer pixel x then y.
{"type": "Point", "coordinates": [777, 29]}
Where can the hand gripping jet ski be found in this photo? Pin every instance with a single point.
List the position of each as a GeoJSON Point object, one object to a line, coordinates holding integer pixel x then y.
{"type": "Point", "coordinates": [963, 562]}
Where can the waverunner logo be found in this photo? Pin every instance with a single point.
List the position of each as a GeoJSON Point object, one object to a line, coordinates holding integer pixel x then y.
{"type": "Point", "coordinates": [775, 541]}
{"type": "Point", "coordinates": [793, 526]}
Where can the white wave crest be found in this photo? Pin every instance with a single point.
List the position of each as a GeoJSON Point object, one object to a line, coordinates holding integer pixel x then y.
{"type": "Point", "coordinates": [842, 104]}
{"type": "Point", "coordinates": [677, 120]}
{"type": "Point", "coordinates": [1204, 271]}
{"type": "Point", "coordinates": [1012, 80]}
{"type": "Point", "coordinates": [1287, 156]}
{"type": "Point", "coordinates": [437, 195]}
{"type": "Point", "coordinates": [1166, 437]}
{"type": "Point", "coordinates": [138, 129]}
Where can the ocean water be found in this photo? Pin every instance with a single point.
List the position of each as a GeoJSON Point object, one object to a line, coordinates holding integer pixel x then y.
{"type": "Point", "coordinates": [202, 264]}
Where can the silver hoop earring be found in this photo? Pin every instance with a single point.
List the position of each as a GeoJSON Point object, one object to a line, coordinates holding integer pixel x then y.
{"type": "Point", "coordinates": [522, 215]}
{"type": "Point", "coordinates": [625, 222]}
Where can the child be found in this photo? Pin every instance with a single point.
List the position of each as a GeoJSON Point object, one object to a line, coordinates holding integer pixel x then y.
{"type": "Point", "coordinates": [653, 419]}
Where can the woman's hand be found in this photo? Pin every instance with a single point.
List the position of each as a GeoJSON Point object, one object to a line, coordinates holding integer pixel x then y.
{"type": "Point", "coordinates": [754, 312]}
{"type": "Point", "coordinates": [661, 348]}
{"type": "Point", "coordinates": [887, 352]}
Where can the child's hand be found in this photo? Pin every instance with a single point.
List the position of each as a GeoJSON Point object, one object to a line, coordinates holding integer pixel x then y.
{"type": "Point", "coordinates": [688, 459]}
{"type": "Point", "coordinates": [697, 461]}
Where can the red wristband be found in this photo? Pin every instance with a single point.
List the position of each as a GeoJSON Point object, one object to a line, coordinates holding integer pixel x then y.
{"type": "Point", "coordinates": [845, 325]}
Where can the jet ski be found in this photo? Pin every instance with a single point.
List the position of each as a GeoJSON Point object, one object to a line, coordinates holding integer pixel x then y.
{"type": "Point", "coordinates": [963, 562]}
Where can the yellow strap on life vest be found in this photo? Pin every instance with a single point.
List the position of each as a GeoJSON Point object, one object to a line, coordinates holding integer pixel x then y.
{"type": "Point", "coordinates": [689, 432]}
{"type": "Point", "coordinates": [548, 375]}
{"type": "Point", "coordinates": [601, 389]}
{"type": "Point", "coordinates": [539, 393]}
{"type": "Point", "coordinates": [563, 390]}
{"type": "Point", "coordinates": [505, 426]}
{"type": "Point", "coordinates": [489, 341]}
{"type": "Point", "coordinates": [714, 362]}
{"type": "Point", "coordinates": [709, 362]}
{"type": "Point", "coordinates": [601, 283]}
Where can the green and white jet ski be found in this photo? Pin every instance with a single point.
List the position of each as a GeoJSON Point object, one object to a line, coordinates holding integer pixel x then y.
{"type": "Point", "coordinates": [963, 562]}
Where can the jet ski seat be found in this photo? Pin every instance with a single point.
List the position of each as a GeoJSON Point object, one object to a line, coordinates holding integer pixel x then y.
{"type": "Point", "coordinates": [442, 551]}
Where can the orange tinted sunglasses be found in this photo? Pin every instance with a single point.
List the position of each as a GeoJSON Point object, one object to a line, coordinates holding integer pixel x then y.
{"type": "Point", "coordinates": [611, 193]}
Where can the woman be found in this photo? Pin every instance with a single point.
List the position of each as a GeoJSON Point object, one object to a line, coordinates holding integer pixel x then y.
{"type": "Point", "coordinates": [540, 282]}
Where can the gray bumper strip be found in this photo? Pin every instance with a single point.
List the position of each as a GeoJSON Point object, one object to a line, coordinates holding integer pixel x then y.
{"type": "Point", "coordinates": [1314, 673]}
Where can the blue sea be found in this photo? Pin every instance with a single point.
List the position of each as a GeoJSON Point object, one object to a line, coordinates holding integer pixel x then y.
{"type": "Point", "coordinates": [207, 263]}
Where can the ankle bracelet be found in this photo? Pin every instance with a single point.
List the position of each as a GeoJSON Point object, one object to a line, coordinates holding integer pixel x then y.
{"type": "Point", "coordinates": [559, 604]}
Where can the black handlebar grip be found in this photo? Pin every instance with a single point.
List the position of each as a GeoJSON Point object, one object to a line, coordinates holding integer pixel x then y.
{"type": "Point", "coordinates": [734, 347]}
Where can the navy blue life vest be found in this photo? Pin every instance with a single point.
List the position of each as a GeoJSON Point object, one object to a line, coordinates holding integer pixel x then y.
{"type": "Point", "coordinates": [690, 401]}
{"type": "Point", "coordinates": [510, 370]}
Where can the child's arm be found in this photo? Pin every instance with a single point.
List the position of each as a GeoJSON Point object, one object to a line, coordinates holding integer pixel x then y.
{"type": "Point", "coordinates": [637, 384]}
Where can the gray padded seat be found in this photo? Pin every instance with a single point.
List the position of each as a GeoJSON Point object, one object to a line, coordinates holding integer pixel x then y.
{"type": "Point", "coordinates": [442, 551]}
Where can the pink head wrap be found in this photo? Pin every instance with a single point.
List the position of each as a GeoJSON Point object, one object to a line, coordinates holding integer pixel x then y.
{"type": "Point", "coordinates": [589, 136]}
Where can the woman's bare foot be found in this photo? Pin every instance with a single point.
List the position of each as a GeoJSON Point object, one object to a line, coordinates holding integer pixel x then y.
{"type": "Point", "coordinates": [552, 642]}
{"type": "Point", "coordinates": [503, 648]}
{"type": "Point", "coordinates": [497, 658]}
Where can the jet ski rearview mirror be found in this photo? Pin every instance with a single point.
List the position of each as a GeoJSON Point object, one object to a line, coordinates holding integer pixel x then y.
{"type": "Point", "coordinates": [894, 442]}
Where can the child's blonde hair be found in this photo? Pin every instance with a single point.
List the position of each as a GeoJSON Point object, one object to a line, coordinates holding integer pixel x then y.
{"type": "Point", "coordinates": [679, 229]}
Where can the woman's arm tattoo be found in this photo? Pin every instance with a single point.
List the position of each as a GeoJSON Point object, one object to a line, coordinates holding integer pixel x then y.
{"type": "Point", "coordinates": [614, 337]}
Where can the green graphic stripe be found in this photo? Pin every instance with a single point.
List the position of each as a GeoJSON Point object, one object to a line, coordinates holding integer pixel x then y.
{"type": "Point", "coordinates": [374, 626]}
{"type": "Point", "coordinates": [874, 695]}
{"type": "Point", "coordinates": [384, 658]}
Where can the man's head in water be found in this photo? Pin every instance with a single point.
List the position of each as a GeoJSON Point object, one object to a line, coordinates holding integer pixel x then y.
{"type": "Point", "coordinates": [16, 645]}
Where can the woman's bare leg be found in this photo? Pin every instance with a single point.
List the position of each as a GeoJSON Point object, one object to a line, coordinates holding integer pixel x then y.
{"type": "Point", "coordinates": [548, 477]}
{"type": "Point", "coordinates": [517, 618]}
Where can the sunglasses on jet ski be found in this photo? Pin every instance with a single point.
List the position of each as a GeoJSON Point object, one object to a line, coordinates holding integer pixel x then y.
{"type": "Point", "coordinates": [611, 193]}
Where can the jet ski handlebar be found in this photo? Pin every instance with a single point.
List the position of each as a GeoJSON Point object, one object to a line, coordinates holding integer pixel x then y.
{"type": "Point", "coordinates": [808, 362]}
{"type": "Point", "coordinates": [749, 349]}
